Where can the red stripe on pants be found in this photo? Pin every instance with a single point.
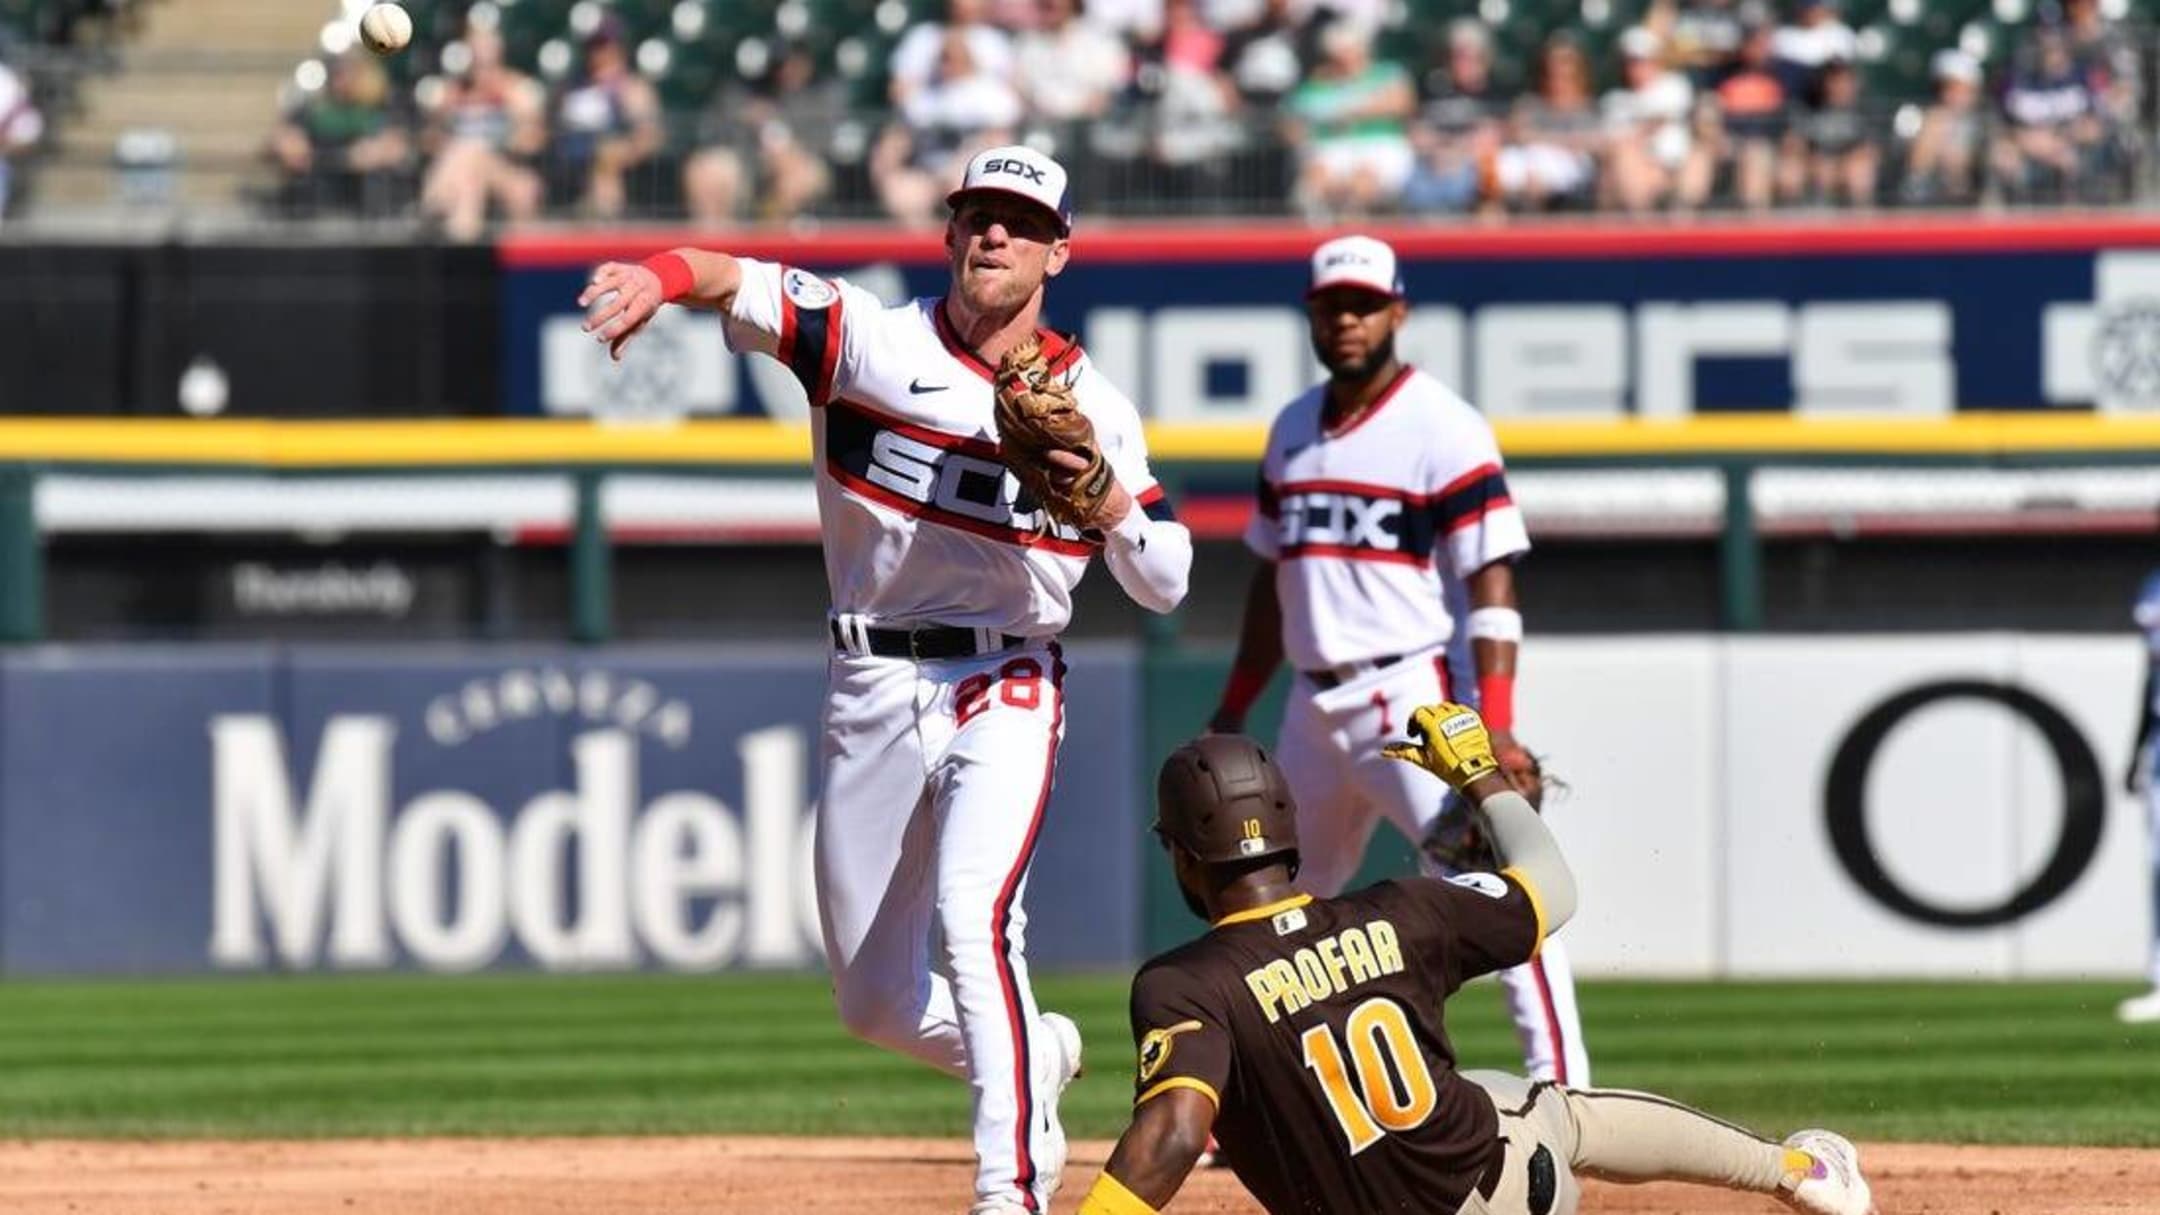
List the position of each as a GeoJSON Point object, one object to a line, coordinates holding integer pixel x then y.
{"type": "Point", "coordinates": [1552, 1020]}
{"type": "Point", "coordinates": [1001, 915]}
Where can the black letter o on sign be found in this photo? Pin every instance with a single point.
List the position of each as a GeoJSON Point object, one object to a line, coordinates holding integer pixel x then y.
{"type": "Point", "coordinates": [1845, 803]}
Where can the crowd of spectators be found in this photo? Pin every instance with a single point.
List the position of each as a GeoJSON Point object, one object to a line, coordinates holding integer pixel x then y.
{"type": "Point", "coordinates": [1704, 104]}
{"type": "Point", "coordinates": [21, 126]}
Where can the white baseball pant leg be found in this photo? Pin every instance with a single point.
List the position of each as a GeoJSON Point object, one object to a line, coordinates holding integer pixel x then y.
{"type": "Point", "coordinates": [875, 856]}
{"type": "Point", "coordinates": [2152, 825]}
{"type": "Point", "coordinates": [1334, 821]}
{"type": "Point", "coordinates": [937, 776]}
{"type": "Point", "coordinates": [1358, 719]}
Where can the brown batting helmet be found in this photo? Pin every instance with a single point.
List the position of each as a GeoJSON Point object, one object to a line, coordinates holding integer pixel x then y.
{"type": "Point", "coordinates": [1222, 799]}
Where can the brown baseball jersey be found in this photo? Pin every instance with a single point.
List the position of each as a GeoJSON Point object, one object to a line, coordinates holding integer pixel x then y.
{"type": "Point", "coordinates": [1315, 1026]}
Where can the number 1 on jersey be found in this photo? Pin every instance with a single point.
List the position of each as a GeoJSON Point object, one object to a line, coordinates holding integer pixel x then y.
{"type": "Point", "coordinates": [1384, 1051]}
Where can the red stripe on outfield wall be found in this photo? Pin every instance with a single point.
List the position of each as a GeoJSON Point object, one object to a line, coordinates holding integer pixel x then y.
{"type": "Point", "coordinates": [841, 245]}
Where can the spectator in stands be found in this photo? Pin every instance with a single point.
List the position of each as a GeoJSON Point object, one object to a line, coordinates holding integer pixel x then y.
{"type": "Point", "coordinates": [1195, 102]}
{"type": "Point", "coordinates": [959, 111]}
{"type": "Point", "coordinates": [1816, 37]}
{"type": "Point", "coordinates": [2055, 143]}
{"type": "Point", "coordinates": [1264, 55]}
{"type": "Point", "coordinates": [1069, 70]}
{"type": "Point", "coordinates": [1350, 124]}
{"type": "Point", "coordinates": [1133, 22]}
{"type": "Point", "coordinates": [1701, 37]}
{"type": "Point", "coordinates": [1753, 114]}
{"type": "Point", "coordinates": [340, 148]}
{"type": "Point", "coordinates": [607, 127]}
{"type": "Point", "coordinates": [1836, 154]}
{"type": "Point", "coordinates": [1459, 125]}
{"type": "Point", "coordinates": [487, 127]}
{"type": "Point", "coordinates": [918, 58]}
{"type": "Point", "coordinates": [1943, 163]}
{"type": "Point", "coordinates": [2108, 58]}
{"type": "Point", "coordinates": [1555, 135]}
{"type": "Point", "coordinates": [1652, 155]}
{"type": "Point", "coordinates": [1013, 16]}
{"type": "Point", "coordinates": [782, 123]}
{"type": "Point", "coordinates": [21, 126]}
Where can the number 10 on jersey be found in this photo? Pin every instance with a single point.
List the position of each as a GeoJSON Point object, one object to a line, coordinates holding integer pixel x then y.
{"type": "Point", "coordinates": [1398, 1093]}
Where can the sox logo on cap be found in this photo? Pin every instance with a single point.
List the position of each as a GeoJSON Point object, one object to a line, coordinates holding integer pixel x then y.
{"type": "Point", "coordinates": [1021, 171]}
{"type": "Point", "coordinates": [1356, 261]}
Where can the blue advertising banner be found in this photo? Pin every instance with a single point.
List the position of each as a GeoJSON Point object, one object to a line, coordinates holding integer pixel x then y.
{"type": "Point", "coordinates": [1896, 317]}
{"type": "Point", "coordinates": [335, 808]}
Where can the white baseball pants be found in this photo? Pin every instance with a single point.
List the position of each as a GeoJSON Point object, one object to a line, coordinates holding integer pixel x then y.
{"type": "Point", "coordinates": [1330, 755]}
{"type": "Point", "coordinates": [936, 778]}
{"type": "Point", "coordinates": [2151, 760]}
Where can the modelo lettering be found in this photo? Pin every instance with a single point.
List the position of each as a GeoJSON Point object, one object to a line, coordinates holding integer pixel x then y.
{"type": "Point", "coordinates": [342, 881]}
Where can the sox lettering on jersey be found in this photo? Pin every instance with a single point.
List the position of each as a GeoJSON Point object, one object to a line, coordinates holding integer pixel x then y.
{"type": "Point", "coordinates": [943, 478]}
{"type": "Point", "coordinates": [1376, 522]}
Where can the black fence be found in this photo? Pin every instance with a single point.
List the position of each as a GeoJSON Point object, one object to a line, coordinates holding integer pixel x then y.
{"type": "Point", "coordinates": [381, 330]}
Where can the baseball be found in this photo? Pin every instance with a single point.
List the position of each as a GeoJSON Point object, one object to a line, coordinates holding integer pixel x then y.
{"type": "Point", "coordinates": [386, 28]}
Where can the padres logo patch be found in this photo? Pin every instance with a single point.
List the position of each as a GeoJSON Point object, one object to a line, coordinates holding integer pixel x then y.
{"type": "Point", "coordinates": [1155, 1047]}
{"type": "Point", "coordinates": [807, 290]}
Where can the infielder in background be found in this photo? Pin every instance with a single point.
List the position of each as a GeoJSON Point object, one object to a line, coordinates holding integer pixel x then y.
{"type": "Point", "coordinates": [949, 587]}
{"type": "Point", "coordinates": [2138, 1010]}
{"type": "Point", "coordinates": [1371, 480]}
{"type": "Point", "coordinates": [1308, 1033]}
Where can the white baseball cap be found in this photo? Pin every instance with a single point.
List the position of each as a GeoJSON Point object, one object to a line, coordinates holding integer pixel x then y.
{"type": "Point", "coordinates": [1021, 171]}
{"type": "Point", "coordinates": [1356, 261]}
{"type": "Point", "coordinates": [1950, 63]}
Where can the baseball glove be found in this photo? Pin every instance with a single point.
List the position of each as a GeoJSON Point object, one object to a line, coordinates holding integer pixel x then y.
{"type": "Point", "coordinates": [1036, 415]}
{"type": "Point", "coordinates": [1455, 839]}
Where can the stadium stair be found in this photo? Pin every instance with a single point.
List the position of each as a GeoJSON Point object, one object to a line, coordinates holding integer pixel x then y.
{"type": "Point", "coordinates": [207, 72]}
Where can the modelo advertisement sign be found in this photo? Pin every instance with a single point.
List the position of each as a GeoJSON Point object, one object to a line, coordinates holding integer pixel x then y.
{"type": "Point", "coordinates": [1945, 806]}
{"type": "Point", "coordinates": [251, 809]}
{"type": "Point", "coordinates": [1892, 317]}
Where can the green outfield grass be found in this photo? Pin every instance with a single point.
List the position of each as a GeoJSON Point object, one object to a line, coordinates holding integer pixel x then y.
{"type": "Point", "coordinates": [2029, 1063]}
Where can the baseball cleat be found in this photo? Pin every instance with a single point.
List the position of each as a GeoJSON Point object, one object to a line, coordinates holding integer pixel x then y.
{"type": "Point", "coordinates": [1065, 1067]}
{"type": "Point", "coordinates": [1831, 1184]}
{"type": "Point", "coordinates": [997, 1206]}
{"type": "Point", "coordinates": [2140, 1010]}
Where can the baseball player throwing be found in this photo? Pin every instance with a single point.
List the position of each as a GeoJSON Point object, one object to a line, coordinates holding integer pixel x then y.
{"type": "Point", "coordinates": [1372, 480]}
{"type": "Point", "coordinates": [1308, 1033]}
{"type": "Point", "coordinates": [950, 583]}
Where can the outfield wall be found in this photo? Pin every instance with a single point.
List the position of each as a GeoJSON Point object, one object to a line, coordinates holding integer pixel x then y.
{"type": "Point", "coordinates": [256, 808]}
{"type": "Point", "coordinates": [1944, 806]}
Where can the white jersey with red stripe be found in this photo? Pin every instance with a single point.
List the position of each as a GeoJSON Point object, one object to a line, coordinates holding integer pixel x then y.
{"type": "Point", "coordinates": [1357, 519]}
{"type": "Point", "coordinates": [922, 523]}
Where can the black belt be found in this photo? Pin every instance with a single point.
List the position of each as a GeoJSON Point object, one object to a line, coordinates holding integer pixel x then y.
{"type": "Point", "coordinates": [1326, 678]}
{"type": "Point", "coordinates": [935, 641]}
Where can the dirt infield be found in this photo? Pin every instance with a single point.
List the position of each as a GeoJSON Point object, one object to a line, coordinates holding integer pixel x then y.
{"type": "Point", "coordinates": [893, 1177]}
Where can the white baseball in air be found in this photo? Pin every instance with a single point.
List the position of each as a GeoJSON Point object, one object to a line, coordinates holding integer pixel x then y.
{"type": "Point", "coordinates": [386, 28]}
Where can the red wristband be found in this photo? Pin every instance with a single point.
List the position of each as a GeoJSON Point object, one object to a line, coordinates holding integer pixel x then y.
{"type": "Point", "coordinates": [676, 276]}
{"type": "Point", "coordinates": [1496, 701]}
{"type": "Point", "coordinates": [1243, 689]}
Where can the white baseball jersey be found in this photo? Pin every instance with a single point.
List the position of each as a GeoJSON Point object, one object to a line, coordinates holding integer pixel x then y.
{"type": "Point", "coordinates": [922, 523]}
{"type": "Point", "coordinates": [1356, 519]}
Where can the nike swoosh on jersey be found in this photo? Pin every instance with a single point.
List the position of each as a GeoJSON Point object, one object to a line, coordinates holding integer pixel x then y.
{"type": "Point", "coordinates": [916, 387]}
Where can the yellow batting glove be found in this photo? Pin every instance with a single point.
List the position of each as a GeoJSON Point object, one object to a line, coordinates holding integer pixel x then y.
{"type": "Point", "coordinates": [1451, 743]}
